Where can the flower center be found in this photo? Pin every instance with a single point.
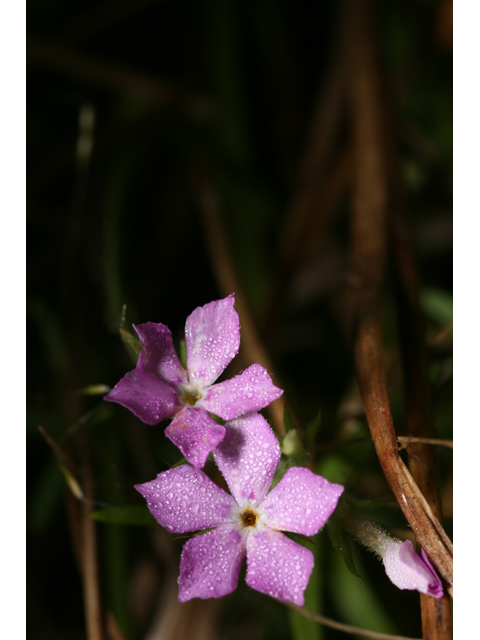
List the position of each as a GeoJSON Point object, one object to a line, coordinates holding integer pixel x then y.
{"type": "Point", "coordinates": [249, 517]}
{"type": "Point", "coordinates": [190, 397]}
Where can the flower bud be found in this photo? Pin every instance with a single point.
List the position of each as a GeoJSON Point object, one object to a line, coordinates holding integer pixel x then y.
{"type": "Point", "coordinates": [408, 570]}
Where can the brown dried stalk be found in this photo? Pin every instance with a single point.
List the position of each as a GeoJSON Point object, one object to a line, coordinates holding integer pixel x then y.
{"type": "Point", "coordinates": [95, 72]}
{"type": "Point", "coordinates": [312, 178]}
{"type": "Point", "coordinates": [347, 628]}
{"type": "Point", "coordinates": [405, 441]}
{"type": "Point", "coordinates": [321, 184]}
{"type": "Point", "coordinates": [91, 579]}
{"type": "Point", "coordinates": [101, 17]}
{"type": "Point", "coordinates": [367, 264]}
{"type": "Point", "coordinates": [436, 613]}
{"type": "Point", "coordinates": [79, 501]}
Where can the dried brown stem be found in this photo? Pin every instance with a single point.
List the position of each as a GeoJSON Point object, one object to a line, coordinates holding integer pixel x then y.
{"type": "Point", "coordinates": [347, 628]}
{"type": "Point", "coordinates": [325, 125]}
{"type": "Point", "coordinates": [60, 454]}
{"type": "Point", "coordinates": [113, 629]}
{"type": "Point", "coordinates": [83, 535]}
{"type": "Point", "coordinates": [93, 71]}
{"type": "Point", "coordinates": [405, 441]}
{"type": "Point", "coordinates": [91, 578]}
{"type": "Point", "coordinates": [436, 613]}
{"type": "Point", "coordinates": [100, 18]}
{"type": "Point", "coordinates": [251, 348]}
{"type": "Point", "coordinates": [321, 183]}
{"type": "Point", "coordinates": [441, 335]}
{"type": "Point", "coordinates": [367, 263]}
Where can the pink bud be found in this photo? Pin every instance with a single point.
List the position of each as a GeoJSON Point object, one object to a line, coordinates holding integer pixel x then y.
{"type": "Point", "coordinates": [407, 570]}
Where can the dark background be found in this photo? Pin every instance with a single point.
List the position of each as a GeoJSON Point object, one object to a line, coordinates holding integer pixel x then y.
{"type": "Point", "coordinates": [132, 106]}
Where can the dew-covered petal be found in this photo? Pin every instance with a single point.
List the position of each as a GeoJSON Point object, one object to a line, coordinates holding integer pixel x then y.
{"type": "Point", "coordinates": [301, 502]}
{"type": "Point", "coordinates": [248, 457]}
{"type": "Point", "coordinates": [250, 391]}
{"type": "Point", "coordinates": [278, 566]}
{"type": "Point", "coordinates": [147, 397]}
{"type": "Point", "coordinates": [195, 433]}
{"type": "Point", "coordinates": [185, 499]}
{"type": "Point", "coordinates": [407, 570]}
{"type": "Point", "coordinates": [158, 355]}
{"type": "Point", "coordinates": [210, 564]}
{"type": "Point", "coordinates": [435, 587]}
{"type": "Point", "coordinates": [212, 337]}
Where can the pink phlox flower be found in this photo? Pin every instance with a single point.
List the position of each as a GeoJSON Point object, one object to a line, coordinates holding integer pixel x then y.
{"type": "Point", "coordinates": [407, 570]}
{"type": "Point", "coordinates": [247, 522]}
{"type": "Point", "coordinates": [159, 387]}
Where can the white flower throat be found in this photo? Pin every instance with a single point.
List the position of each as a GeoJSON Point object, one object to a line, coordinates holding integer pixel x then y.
{"type": "Point", "coordinates": [248, 518]}
{"type": "Point", "coordinates": [190, 394]}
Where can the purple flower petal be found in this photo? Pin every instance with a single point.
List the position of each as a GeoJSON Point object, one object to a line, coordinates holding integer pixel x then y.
{"type": "Point", "coordinates": [212, 337]}
{"type": "Point", "coordinates": [195, 433]}
{"type": "Point", "coordinates": [148, 398]}
{"type": "Point", "coordinates": [158, 355]}
{"type": "Point", "coordinates": [210, 564]}
{"type": "Point", "coordinates": [301, 502]}
{"type": "Point", "coordinates": [435, 588]}
{"type": "Point", "coordinates": [250, 391]}
{"type": "Point", "coordinates": [185, 499]}
{"type": "Point", "coordinates": [278, 566]}
{"type": "Point", "coordinates": [248, 457]}
{"type": "Point", "coordinates": [407, 570]}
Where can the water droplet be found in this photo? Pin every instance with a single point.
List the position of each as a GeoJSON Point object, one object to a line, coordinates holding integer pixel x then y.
{"type": "Point", "coordinates": [194, 507]}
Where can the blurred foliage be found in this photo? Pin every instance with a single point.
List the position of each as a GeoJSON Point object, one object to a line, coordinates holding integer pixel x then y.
{"type": "Point", "coordinates": [128, 101]}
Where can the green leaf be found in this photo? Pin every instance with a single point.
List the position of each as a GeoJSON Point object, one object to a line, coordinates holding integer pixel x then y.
{"type": "Point", "coordinates": [131, 514]}
{"type": "Point", "coordinates": [301, 627]}
{"type": "Point", "coordinates": [356, 600]}
{"type": "Point", "coordinates": [94, 390]}
{"type": "Point", "coordinates": [51, 335]}
{"type": "Point", "coordinates": [437, 304]}
{"type": "Point", "coordinates": [341, 541]}
{"type": "Point", "coordinates": [288, 420]}
{"type": "Point", "coordinates": [217, 419]}
{"type": "Point", "coordinates": [335, 468]}
{"type": "Point", "coordinates": [367, 504]}
{"type": "Point", "coordinates": [347, 553]}
{"type": "Point", "coordinates": [291, 444]}
{"type": "Point", "coordinates": [72, 482]}
{"type": "Point", "coordinates": [46, 498]}
{"type": "Point", "coordinates": [312, 429]}
{"type": "Point", "coordinates": [183, 353]}
{"type": "Point", "coordinates": [129, 339]}
{"type": "Point", "coordinates": [180, 462]}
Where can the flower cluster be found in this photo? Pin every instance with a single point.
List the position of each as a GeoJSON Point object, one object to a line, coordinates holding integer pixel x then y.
{"type": "Point", "coordinates": [250, 520]}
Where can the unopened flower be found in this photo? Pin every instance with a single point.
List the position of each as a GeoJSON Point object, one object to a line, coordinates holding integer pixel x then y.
{"type": "Point", "coordinates": [159, 387]}
{"type": "Point", "coordinates": [247, 522]}
{"type": "Point", "coordinates": [408, 570]}
{"type": "Point", "coordinates": [405, 568]}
